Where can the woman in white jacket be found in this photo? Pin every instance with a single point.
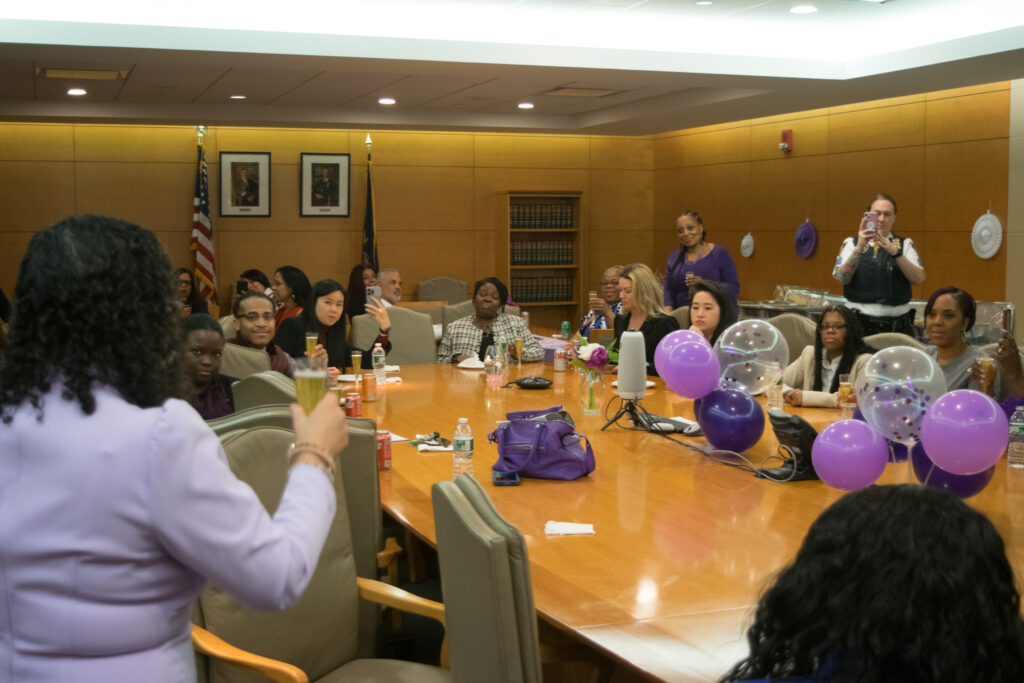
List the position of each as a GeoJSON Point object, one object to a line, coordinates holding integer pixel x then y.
{"type": "Point", "coordinates": [812, 380]}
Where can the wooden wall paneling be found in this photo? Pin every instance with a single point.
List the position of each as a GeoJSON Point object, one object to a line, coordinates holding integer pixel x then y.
{"type": "Point", "coordinates": [485, 245]}
{"type": "Point", "coordinates": [669, 186]}
{"type": "Point", "coordinates": [810, 138]}
{"type": "Point", "coordinates": [408, 197]}
{"type": "Point", "coordinates": [37, 142]}
{"type": "Point", "coordinates": [718, 193]}
{"type": "Point", "coordinates": [404, 148]}
{"type": "Point", "coordinates": [487, 182]}
{"type": "Point", "coordinates": [729, 145]}
{"type": "Point", "coordinates": [284, 144]}
{"type": "Point", "coordinates": [877, 128]}
{"type": "Point", "coordinates": [949, 261]}
{"type": "Point", "coordinates": [176, 245]}
{"type": "Point", "coordinates": [622, 153]}
{"type": "Point", "coordinates": [13, 245]}
{"type": "Point", "coordinates": [157, 196]}
{"type": "Point", "coordinates": [785, 192]}
{"type": "Point", "coordinates": [421, 254]}
{"type": "Point", "coordinates": [877, 104]}
{"type": "Point", "coordinates": [977, 117]}
{"type": "Point", "coordinates": [621, 199]}
{"type": "Point", "coordinates": [855, 177]}
{"type": "Point", "coordinates": [319, 254]}
{"type": "Point", "coordinates": [35, 194]}
{"type": "Point", "coordinates": [962, 180]}
{"type": "Point", "coordinates": [531, 151]}
{"type": "Point", "coordinates": [967, 90]}
{"type": "Point", "coordinates": [129, 144]}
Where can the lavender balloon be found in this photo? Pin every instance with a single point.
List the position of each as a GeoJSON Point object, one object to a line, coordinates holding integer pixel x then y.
{"type": "Point", "coordinates": [689, 367]}
{"type": "Point", "coordinates": [930, 474]}
{"type": "Point", "coordinates": [896, 388]}
{"type": "Point", "coordinates": [731, 419]}
{"type": "Point", "coordinates": [849, 455]}
{"type": "Point", "coordinates": [746, 351]}
{"type": "Point", "coordinates": [965, 432]}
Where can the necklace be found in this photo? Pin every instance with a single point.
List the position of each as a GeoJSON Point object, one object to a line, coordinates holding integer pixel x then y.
{"type": "Point", "coordinates": [484, 325]}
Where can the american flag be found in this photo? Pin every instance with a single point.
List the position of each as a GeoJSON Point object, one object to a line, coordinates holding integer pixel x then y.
{"type": "Point", "coordinates": [202, 232]}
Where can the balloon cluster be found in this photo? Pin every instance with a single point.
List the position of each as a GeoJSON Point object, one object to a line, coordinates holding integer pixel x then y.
{"type": "Point", "coordinates": [750, 353]}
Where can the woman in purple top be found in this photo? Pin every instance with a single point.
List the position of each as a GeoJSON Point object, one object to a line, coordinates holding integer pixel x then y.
{"type": "Point", "coordinates": [116, 501]}
{"type": "Point", "coordinates": [697, 260]}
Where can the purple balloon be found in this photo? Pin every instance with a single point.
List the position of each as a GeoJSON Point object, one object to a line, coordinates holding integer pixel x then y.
{"type": "Point", "coordinates": [849, 455]}
{"type": "Point", "coordinates": [689, 368]}
{"type": "Point", "coordinates": [965, 432]}
{"type": "Point", "coordinates": [731, 419]}
{"type": "Point", "coordinates": [963, 485]}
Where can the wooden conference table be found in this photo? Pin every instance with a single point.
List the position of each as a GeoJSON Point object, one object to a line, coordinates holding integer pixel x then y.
{"type": "Point", "coordinates": [683, 544]}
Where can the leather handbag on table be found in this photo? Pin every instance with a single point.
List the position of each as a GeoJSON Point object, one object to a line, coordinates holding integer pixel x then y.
{"type": "Point", "coordinates": [542, 444]}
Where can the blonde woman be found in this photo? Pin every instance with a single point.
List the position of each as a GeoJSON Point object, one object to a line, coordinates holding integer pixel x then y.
{"type": "Point", "coordinates": [640, 294]}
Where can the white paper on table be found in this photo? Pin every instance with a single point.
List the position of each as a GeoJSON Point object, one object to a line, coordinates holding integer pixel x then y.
{"type": "Point", "coordinates": [424, 448]}
{"type": "Point", "coordinates": [567, 528]}
{"type": "Point", "coordinates": [346, 378]}
{"type": "Point", "coordinates": [392, 368]}
{"type": "Point", "coordinates": [395, 438]}
{"type": "Point", "coordinates": [393, 380]}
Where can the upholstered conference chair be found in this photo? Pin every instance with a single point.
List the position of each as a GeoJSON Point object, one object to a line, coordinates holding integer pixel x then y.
{"type": "Point", "coordinates": [485, 579]}
{"type": "Point", "coordinates": [442, 288]}
{"type": "Point", "coordinates": [227, 325]}
{"type": "Point", "coordinates": [452, 313]}
{"type": "Point", "coordinates": [263, 388]}
{"type": "Point", "coordinates": [240, 361]}
{"type": "Point", "coordinates": [798, 331]}
{"type": "Point", "coordinates": [320, 638]}
{"type": "Point", "coordinates": [884, 340]}
{"type": "Point", "coordinates": [412, 336]}
{"type": "Point", "coordinates": [682, 314]}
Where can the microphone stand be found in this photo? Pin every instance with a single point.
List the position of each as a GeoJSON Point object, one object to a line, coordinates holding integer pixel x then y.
{"type": "Point", "coordinates": [636, 412]}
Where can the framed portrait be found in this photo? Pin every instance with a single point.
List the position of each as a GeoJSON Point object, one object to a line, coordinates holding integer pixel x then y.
{"type": "Point", "coordinates": [324, 185]}
{"type": "Point", "coordinates": [245, 183]}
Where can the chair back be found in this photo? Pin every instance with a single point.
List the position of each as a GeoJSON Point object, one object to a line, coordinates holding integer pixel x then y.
{"type": "Point", "coordinates": [798, 331]}
{"type": "Point", "coordinates": [227, 324]}
{"type": "Point", "coordinates": [442, 288]}
{"type": "Point", "coordinates": [272, 415]}
{"type": "Point", "coordinates": [320, 633]}
{"type": "Point", "coordinates": [682, 314]}
{"type": "Point", "coordinates": [452, 313]}
{"type": "Point", "coordinates": [263, 388]}
{"type": "Point", "coordinates": [884, 340]}
{"type": "Point", "coordinates": [241, 361]}
{"type": "Point", "coordinates": [412, 336]}
{"type": "Point", "coordinates": [485, 578]}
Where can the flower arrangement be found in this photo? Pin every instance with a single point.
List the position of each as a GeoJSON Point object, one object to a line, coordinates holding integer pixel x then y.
{"type": "Point", "coordinates": [591, 359]}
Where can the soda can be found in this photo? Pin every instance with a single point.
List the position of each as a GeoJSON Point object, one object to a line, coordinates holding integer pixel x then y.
{"type": "Point", "coordinates": [559, 361]}
{"type": "Point", "coordinates": [525, 315]}
{"type": "Point", "coordinates": [353, 404]}
{"type": "Point", "coordinates": [566, 329]}
{"type": "Point", "coordinates": [384, 449]}
{"type": "Point", "coordinates": [369, 387]}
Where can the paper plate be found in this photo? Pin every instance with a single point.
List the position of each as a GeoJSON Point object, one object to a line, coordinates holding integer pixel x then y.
{"type": "Point", "coordinates": [747, 246]}
{"type": "Point", "coordinates": [806, 239]}
{"type": "Point", "coordinates": [986, 236]}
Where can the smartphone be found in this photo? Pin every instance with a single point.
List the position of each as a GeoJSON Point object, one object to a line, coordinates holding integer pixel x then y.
{"type": "Point", "coordinates": [1008, 320]}
{"type": "Point", "coordinates": [372, 291]}
{"type": "Point", "coordinates": [505, 478]}
{"type": "Point", "coordinates": [871, 223]}
{"type": "Point", "coordinates": [241, 286]}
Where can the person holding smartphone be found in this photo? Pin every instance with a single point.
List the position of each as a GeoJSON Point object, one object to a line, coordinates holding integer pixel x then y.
{"type": "Point", "coordinates": [877, 269]}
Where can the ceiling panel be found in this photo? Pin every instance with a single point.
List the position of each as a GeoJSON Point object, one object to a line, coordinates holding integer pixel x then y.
{"type": "Point", "coordinates": [260, 86]}
{"type": "Point", "coordinates": [168, 83]}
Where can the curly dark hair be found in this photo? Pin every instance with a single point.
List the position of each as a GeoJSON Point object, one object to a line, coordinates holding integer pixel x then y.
{"type": "Point", "coordinates": [892, 583]}
{"type": "Point", "coordinates": [93, 305]}
{"type": "Point", "coordinates": [853, 346]}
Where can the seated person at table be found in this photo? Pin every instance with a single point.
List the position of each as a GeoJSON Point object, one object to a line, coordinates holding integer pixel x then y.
{"type": "Point", "coordinates": [711, 310]}
{"type": "Point", "coordinates": [190, 301]}
{"type": "Point", "coordinates": [838, 349]}
{"type": "Point", "coordinates": [291, 291]}
{"type": "Point", "coordinates": [324, 316]}
{"type": "Point", "coordinates": [605, 306]}
{"type": "Point", "coordinates": [210, 391]}
{"type": "Point", "coordinates": [642, 310]}
{"type": "Point", "coordinates": [255, 281]}
{"type": "Point", "coordinates": [254, 329]}
{"type": "Point", "coordinates": [359, 279]}
{"type": "Point", "coordinates": [892, 583]}
{"type": "Point", "coordinates": [1007, 357]}
{"type": "Point", "coordinates": [469, 337]}
{"type": "Point", "coordinates": [948, 316]}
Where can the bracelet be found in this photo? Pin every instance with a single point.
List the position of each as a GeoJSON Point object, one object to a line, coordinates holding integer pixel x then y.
{"type": "Point", "coordinates": [384, 333]}
{"type": "Point", "coordinates": [324, 461]}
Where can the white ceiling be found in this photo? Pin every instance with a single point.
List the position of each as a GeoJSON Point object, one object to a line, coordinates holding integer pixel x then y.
{"type": "Point", "coordinates": [466, 64]}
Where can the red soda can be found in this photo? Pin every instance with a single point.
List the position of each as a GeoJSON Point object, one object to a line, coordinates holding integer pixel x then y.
{"type": "Point", "coordinates": [384, 449]}
{"type": "Point", "coordinates": [353, 404]}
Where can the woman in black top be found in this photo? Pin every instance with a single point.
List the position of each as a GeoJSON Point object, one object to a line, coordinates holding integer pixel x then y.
{"type": "Point", "coordinates": [640, 294]}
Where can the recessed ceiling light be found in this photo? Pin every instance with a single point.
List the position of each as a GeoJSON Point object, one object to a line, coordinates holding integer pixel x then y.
{"type": "Point", "coordinates": [704, 2]}
{"type": "Point", "coordinates": [386, 100]}
{"type": "Point", "coordinates": [76, 92]}
{"type": "Point", "coordinates": [238, 97]}
{"type": "Point", "coordinates": [526, 105]}
{"type": "Point", "coordinates": [803, 9]}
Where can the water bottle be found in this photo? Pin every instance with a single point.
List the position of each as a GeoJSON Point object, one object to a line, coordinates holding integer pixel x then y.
{"type": "Point", "coordinates": [1015, 449]}
{"type": "Point", "coordinates": [462, 449]}
{"type": "Point", "coordinates": [378, 364]}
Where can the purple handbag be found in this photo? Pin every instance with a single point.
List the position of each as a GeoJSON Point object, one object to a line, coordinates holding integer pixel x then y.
{"type": "Point", "coordinates": [542, 444]}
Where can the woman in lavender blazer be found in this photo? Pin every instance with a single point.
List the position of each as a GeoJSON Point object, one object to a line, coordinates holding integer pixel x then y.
{"type": "Point", "coordinates": [116, 501]}
{"type": "Point", "coordinates": [697, 260]}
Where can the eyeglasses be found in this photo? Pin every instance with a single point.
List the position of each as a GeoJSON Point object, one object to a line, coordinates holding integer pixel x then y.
{"type": "Point", "coordinates": [255, 317]}
{"type": "Point", "coordinates": [839, 327]}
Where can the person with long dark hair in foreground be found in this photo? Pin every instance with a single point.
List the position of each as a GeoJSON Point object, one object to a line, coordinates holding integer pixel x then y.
{"type": "Point", "coordinates": [892, 583]}
{"type": "Point", "coordinates": [116, 502]}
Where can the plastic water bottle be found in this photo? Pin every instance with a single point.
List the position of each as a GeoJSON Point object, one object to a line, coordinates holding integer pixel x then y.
{"type": "Point", "coordinates": [1015, 449]}
{"type": "Point", "coordinates": [462, 449]}
{"type": "Point", "coordinates": [378, 364]}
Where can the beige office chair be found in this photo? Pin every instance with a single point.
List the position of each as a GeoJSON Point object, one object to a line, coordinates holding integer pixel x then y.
{"type": "Point", "coordinates": [227, 324]}
{"type": "Point", "coordinates": [412, 336]}
{"type": "Point", "coordinates": [241, 361]}
{"type": "Point", "coordinates": [263, 388]}
{"type": "Point", "coordinates": [320, 638]}
{"type": "Point", "coordinates": [272, 415]}
{"type": "Point", "coordinates": [485, 578]}
{"type": "Point", "coordinates": [442, 288]}
{"type": "Point", "coordinates": [884, 340]}
{"type": "Point", "coordinates": [798, 331]}
{"type": "Point", "coordinates": [682, 314]}
{"type": "Point", "coordinates": [452, 313]}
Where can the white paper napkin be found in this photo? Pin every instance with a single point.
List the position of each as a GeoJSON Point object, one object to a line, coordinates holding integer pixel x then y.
{"type": "Point", "coordinates": [424, 448]}
{"type": "Point", "coordinates": [567, 528]}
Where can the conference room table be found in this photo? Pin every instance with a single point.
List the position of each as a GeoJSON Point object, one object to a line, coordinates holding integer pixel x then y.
{"type": "Point", "coordinates": [683, 544]}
